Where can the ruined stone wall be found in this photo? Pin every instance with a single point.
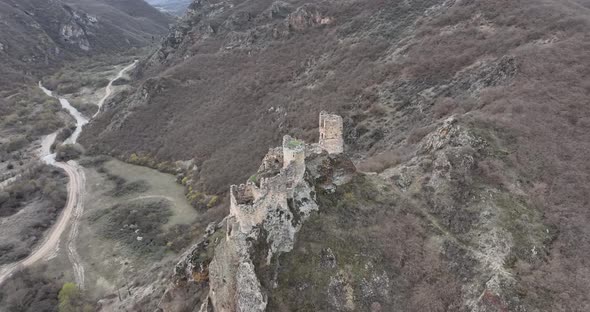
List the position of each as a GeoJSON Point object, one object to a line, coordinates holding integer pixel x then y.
{"type": "Point", "coordinates": [270, 206]}
{"type": "Point", "coordinates": [331, 129]}
{"type": "Point", "coordinates": [293, 151]}
{"type": "Point", "coordinates": [293, 158]}
{"type": "Point", "coordinates": [242, 207]}
{"type": "Point", "coordinates": [273, 160]}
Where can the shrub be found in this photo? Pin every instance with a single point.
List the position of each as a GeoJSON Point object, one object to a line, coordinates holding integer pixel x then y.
{"type": "Point", "coordinates": [122, 189]}
{"type": "Point", "coordinates": [64, 133]}
{"type": "Point", "coordinates": [16, 144]}
{"type": "Point", "coordinates": [100, 83]}
{"type": "Point", "coordinates": [125, 222]}
{"type": "Point", "coordinates": [253, 178]}
{"type": "Point", "coordinates": [67, 152]}
{"type": "Point", "coordinates": [444, 107]}
{"type": "Point", "coordinates": [71, 299]}
{"type": "Point", "coordinates": [29, 290]}
{"type": "Point", "coordinates": [4, 197]}
{"type": "Point", "coordinates": [377, 110]}
{"type": "Point", "coordinates": [43, 188]}
{"type": "Point", "coordinates": [213, 201]}
{"type": "Point", "coordinates": [121, 82]}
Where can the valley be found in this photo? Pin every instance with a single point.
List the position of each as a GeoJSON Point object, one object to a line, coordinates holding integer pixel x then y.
{"type": "Point", "coordinates": [261, 155]}
{"type": "Point", "coordinates": [175, 7]}
{"type": "Point", "coordinates": [81, 220]}
{"type": "Point", "coordinates": [74, 208]}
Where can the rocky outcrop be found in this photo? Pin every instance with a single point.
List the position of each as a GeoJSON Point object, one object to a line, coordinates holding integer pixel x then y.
{"type": "Point", "coordinates": [307, 16]}
{"type": "Point", "coordinates": [241, 29]}
{"type": "Point", "coordinates": [265, 215]}
{"type": "Point", "coordinates": [272, 207]}
{"type": "Point", "coordinates": [455, 175]}
{"type": "Point", "coordinates": [76, 28]}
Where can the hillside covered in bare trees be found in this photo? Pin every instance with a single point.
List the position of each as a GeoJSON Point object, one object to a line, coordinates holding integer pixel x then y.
{"type": "Point", "coordinates": [474, 112]}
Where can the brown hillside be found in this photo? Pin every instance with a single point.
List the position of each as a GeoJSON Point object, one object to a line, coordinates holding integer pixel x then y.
{"type": "Point", "coordinates": [39, 34]}
{"type": "Point", "coordinates": [234, 76]}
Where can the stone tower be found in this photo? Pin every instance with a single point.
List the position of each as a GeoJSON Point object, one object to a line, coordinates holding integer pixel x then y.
{"type": "Point", "coordinates": [331, 128]}
{"type": "Point", "coordinates": [294, 156]}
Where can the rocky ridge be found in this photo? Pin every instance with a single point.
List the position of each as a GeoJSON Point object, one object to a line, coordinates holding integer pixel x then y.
{"type": "Point", "coordinates": [265, 215]}
{"type": "Point", "coordinates": [246, 262]}
{"type": "Point", "coordinates": [309, 231]}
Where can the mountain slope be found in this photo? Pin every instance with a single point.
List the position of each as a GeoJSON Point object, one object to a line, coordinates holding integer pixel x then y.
{"type": "Point", "coordinates": [474, 114]}
{"type": "Point", "coordinates": [256, 66]}
{"type": "Point", "coordinates": [176, 7]}
{"type": "Point", "coordinates": [40, 34]}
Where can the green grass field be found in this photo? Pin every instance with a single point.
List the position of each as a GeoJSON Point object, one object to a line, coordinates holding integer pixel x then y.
{"type": "Point", "coordinates": [120, 199]}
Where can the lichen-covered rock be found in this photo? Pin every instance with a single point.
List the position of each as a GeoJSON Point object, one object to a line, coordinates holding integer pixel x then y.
{"type": "Point", "coordinates": [307, 16]}
{"type": "Point", "coordinates": [249, 295]}
{"type": "Point", "coordinates": [341, 293]}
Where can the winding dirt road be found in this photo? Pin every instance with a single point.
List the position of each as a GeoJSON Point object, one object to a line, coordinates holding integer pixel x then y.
{"type": "Point", "coordinates": [51, 242]}
{"type": "Point", "coordinates": [77, 212]}
{"type": "Point", "coordinates": [109, 88]}
{"type": "Point", "coordinates": [74, 207]}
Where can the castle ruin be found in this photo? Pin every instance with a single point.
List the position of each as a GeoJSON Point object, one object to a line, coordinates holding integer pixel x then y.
{"type": "Point", "coordinates": [286, 164]}
{"type": "Point", "coordinates": [331, 128]}
{"type": "Point", "coordinates": [276, 199]}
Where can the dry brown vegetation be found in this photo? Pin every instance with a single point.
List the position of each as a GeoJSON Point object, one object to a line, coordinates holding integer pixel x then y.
{"type": "Point", "coordinates": [29, 113]}
{"type": "Point", "coordinates": [379, 162]}
{"type": "Point", "coordinates": [65, 152]}
{"type": "Point", "coordinates": [210, 89]}
{"type": "Point", "coordinates": [42, 190]}
{"type": "Point", "coordinates": [517, 70]}
{"type": "Point", "coordinates": [379, 247]}
{"type": "Point", "coordinates": [25, 116]}
{"type": "Point", "coordinates": [29, 290]}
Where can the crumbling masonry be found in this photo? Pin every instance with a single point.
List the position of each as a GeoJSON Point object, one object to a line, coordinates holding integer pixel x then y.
{"type": "Point", "coordinates": [292, 158]}
{"type": "Point", "coordinates": [331, 133]}
{"type": "Point", "coordinates": [275, 200]}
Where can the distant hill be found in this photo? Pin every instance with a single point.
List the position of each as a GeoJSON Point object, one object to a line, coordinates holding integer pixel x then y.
{"type": "Point", "coordinates": [39, 34]}
{"type": "Point", "coordinates": [176, 7]}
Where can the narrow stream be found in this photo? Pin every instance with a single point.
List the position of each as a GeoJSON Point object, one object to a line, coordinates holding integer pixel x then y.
{"type": "Point", "coordinates": [80, 119]}
{"type": "Point", "coordinates": [45, 151]}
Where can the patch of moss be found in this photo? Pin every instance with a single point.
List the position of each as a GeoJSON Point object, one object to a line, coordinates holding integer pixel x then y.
{"type": "Point", "coordinates": [529, 233]}
{"type": "Point", "coordinates": [294, 143]}
{"type": "Point", "coordinates": [253, 178]}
